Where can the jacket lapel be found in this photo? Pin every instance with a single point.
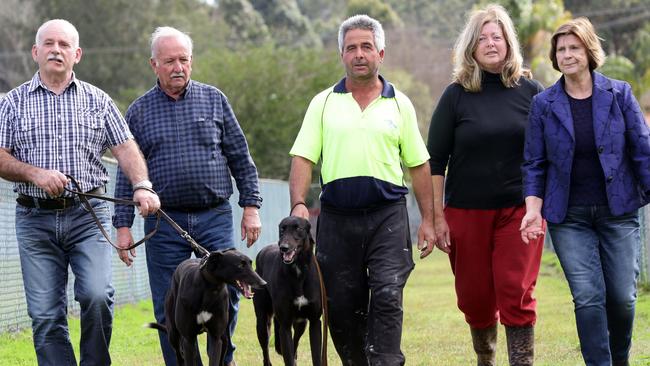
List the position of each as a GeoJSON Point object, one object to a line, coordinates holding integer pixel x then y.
{"type": "Point", "coordinates": [601, 104]}
{"type": "Point", "coordinates": [559, 104]}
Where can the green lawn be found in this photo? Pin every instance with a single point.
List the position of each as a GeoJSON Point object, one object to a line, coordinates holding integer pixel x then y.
{"type": "Point", "coordinates": [434, 330]}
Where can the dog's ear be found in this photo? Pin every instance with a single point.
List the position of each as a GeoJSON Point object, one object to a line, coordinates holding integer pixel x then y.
{"type": "Point", "coordinates": [311, 238]}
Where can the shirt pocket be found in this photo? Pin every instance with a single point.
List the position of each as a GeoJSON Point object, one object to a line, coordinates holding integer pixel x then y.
{"type": "Point", "coordinates": [208, 130]}
{"type": "Point", "coordinates": [28, 131]}
{"type": "Point", "coordinates": [91, 128]}
{"type": "Point", "coordinates": [90, 119]}
{"type": "Point", "coordinates": [383, 141]}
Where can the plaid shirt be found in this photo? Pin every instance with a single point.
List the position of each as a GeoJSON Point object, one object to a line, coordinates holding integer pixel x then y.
{"type": "Point", "coordinates": [192, 146]}
{"type": "Point", "coordinates": [67, 132]}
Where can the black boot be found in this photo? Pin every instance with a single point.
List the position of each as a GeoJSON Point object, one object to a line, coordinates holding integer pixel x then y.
{"type": "Point", "coordinates": [521, 345]}
{"type": "Point", "coordinates": [485, 343]}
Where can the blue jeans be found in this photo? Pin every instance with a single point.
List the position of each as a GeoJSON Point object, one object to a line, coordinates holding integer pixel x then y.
{"type": "Point", "coordinates": [213, 230]}
{"type": "Point", "coordinates": [48, 242]}
{"type": "Point", "coordinates": [599, 254]}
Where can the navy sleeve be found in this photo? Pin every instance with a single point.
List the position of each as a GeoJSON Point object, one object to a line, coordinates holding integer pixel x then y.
{"type": "Point", "coordinates": [240, 162]}
{"type": "Point", "coordinates": [123, 216]}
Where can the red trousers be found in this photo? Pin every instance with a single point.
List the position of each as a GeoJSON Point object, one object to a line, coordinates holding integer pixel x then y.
{"type": "Point", "coordinates": [495, 270]}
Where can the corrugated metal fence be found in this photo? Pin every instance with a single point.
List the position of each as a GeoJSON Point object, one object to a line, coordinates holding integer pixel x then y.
{"type": "Point", "coordinates": [131, 283]}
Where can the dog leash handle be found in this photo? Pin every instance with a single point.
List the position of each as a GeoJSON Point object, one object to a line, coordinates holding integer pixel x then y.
{"type": "Point", "coordinates": [160, 213]}
{"type": "Point", "coordinates": [83, 197]}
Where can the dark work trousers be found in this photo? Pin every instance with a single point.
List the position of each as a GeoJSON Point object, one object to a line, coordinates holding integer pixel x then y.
{"type": "Point", "coordinates": [365, 257]}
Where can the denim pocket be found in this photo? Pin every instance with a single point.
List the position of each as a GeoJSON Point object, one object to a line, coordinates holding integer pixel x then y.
{"type": "Point", "coordinates": [99, 206]}
{"type": "Point", "coordinates": [23, 211]}
{"type": "Point", "coordinates": [223, 208]}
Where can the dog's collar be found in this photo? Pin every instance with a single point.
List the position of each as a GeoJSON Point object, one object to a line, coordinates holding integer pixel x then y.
{"type": "Point", "coordinates": [206, 274]}
{"type": "Point", "coordinates": [210, 278]}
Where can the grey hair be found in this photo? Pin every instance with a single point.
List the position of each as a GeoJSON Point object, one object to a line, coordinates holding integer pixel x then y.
{"type": "Point", "coordinates": [362, 21]}
{"type": "Point", "coordinates": [164, 32]}
{"type": "Point", "coordinates": [38, 40]}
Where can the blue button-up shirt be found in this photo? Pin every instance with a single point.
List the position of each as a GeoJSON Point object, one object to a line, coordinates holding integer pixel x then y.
{"type": "Point", "coordinates": [192, 146]}
{"type": "Point", "coordinates": [67, 132]}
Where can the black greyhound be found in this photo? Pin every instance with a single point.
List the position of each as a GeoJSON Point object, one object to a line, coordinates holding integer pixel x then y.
{"type": "Point", "coordinates": [292, 294]}
{"type": "Point", "coordinates": [197, 301]}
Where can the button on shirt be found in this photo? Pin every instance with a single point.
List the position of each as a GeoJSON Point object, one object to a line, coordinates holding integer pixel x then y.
{"type": "Point", "coordinates": [67, 132]}
{"type": "Point", "coordinates": [192, 146]}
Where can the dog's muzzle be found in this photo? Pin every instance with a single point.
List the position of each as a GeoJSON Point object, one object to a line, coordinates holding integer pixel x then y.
{"type": "Point", "coordinates": [288, 254]}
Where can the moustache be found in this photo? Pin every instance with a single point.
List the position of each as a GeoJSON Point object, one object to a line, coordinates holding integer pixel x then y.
{"type": "Point", "coordinates": [178, 75]}
{"type": "Point", "coordinates": [55, 58]}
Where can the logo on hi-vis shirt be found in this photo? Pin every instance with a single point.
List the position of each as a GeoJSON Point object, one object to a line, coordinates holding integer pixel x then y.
{"type": "Point", "coordinates": [390, 123]}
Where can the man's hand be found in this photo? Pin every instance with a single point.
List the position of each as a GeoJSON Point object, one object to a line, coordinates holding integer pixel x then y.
{"type": "Point", "coordinates": [52, 182]}
{"type": "Point", "coordinates": [251, 226]}
{"type": "Point", "coordinates": [300, 210]}
{"type": "Point", "coordinates": [426, 238]}
{"type": "Point", "coordinates": [125, 240]}
{"type": "Point", "coordinates": [149, 202]}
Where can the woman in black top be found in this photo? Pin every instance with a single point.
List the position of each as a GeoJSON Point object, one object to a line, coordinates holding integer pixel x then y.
{"type": "Point", "coordinates": [476, 137]}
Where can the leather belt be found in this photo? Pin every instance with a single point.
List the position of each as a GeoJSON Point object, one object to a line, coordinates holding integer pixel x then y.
{"type": "Point", "coordinates": [54, 203]}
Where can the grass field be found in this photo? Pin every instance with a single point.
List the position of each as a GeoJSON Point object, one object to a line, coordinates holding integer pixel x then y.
{"type": "Point", "coordinates": [435, 332]}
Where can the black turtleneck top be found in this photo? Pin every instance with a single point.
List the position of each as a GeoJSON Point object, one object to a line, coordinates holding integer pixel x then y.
{"type": "Point", "coordinates": [478, 140]}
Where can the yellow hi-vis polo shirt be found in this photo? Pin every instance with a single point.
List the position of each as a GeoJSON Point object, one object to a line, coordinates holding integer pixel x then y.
{"type": "Point", "coordinates": [361, 150]}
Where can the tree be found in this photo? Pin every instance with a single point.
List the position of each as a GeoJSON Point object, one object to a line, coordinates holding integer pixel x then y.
{"type": "Point", "coordinates": [288, 25]}
{"type": "Point", "coordinates": [269, 89]}
{"type": "Point", "coordinates": [16, 39]}
{"type": "Point", "coordinates": [247, 24]}
{"type": "Point", "coordinates": [621, 68]}
{"type": "Point", "coordinates": [377, 9]}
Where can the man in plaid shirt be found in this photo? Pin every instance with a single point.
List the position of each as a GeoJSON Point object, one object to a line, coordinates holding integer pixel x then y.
{"type": "Point", "coordinates": [51, 126]}
{"type": "Point", "coordinates": [192, 143]}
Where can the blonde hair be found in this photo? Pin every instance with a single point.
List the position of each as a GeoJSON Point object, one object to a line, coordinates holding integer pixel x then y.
{"type": "Point", "coordinates": [467, 71]}
{"type": "Point", "coordinates": [584, 30]}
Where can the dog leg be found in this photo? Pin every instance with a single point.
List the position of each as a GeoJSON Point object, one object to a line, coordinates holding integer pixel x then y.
{"type": "Point", "coordinates": [263, 324]}
{"type": "Point", "coordinates": [276, 335]}
{"type": "Point", "coordinates": [174, 340]}
{"type": "Point", "coordinates": [286, 343]}
{"type": "Point", "coordinates": [263, 331]}
{"type": "Point", "coordinates": [188, 350]}
{"type": "Point", "coordinates": [298, 330]}
{"type": "Point", "coordinates": [315, 341]}
{"type": "Point", "coordinates": [215, 352]}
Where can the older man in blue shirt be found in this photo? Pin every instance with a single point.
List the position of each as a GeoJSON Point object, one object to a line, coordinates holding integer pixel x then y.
{"type": "Point", "coordinates": [192, 143]}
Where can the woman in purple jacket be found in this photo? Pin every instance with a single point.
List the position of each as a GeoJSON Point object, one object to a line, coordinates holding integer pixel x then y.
{"type": "Point", "coordinates": [587, 172]}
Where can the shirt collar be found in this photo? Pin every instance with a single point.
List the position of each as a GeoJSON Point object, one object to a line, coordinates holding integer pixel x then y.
{"type": "Point", "coordinates": [36, 82]}
{"type": "Point", "coordinates": [387, 90]}
{"type": "Point", "coordinates": [186, 93]}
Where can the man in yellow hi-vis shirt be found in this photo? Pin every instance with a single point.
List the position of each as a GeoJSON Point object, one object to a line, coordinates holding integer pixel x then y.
{"type": "Point", "coordinates": [364, 129]}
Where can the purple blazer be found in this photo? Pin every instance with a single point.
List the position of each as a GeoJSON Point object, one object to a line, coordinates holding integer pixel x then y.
{"type": "Point", "coordinates": [622, 142]}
